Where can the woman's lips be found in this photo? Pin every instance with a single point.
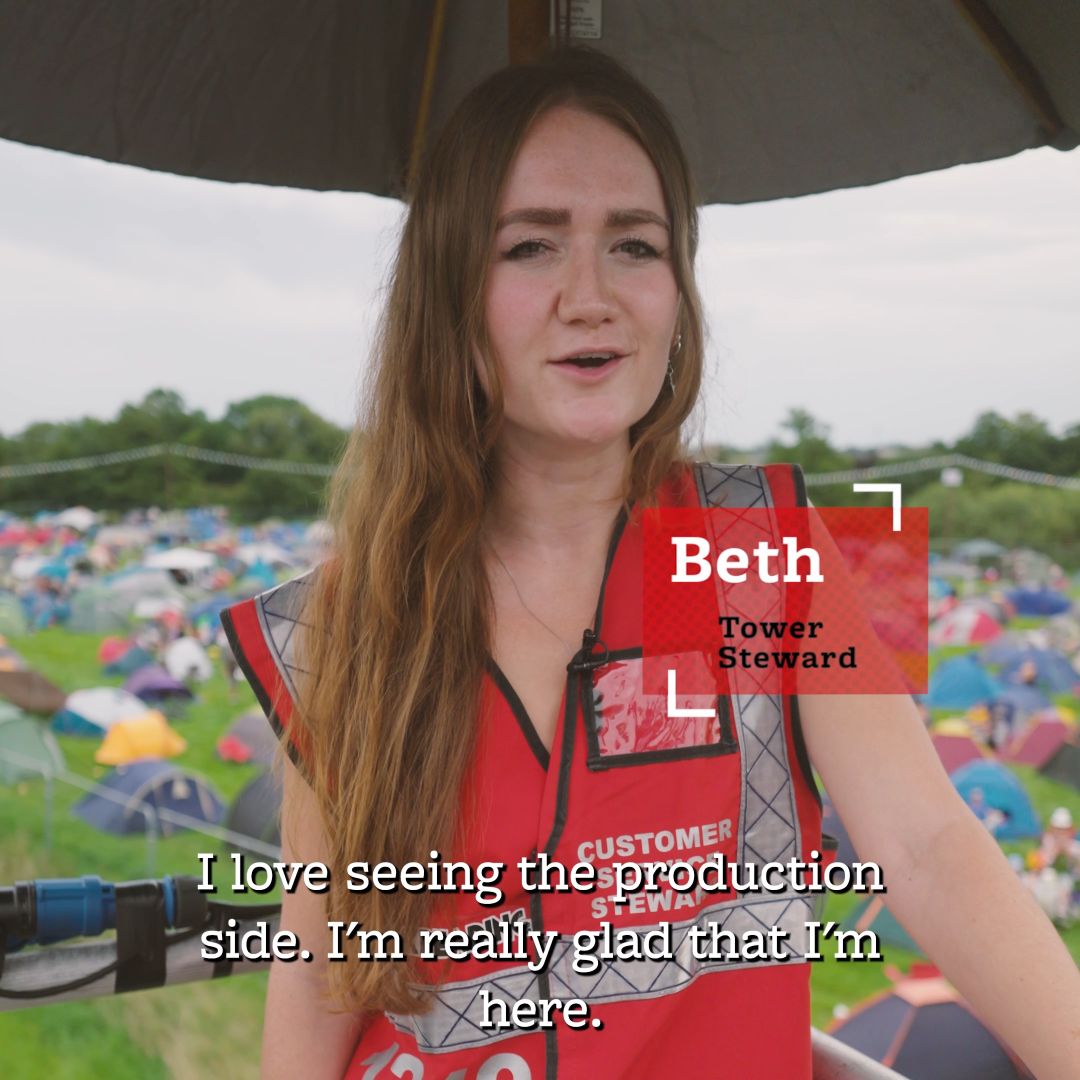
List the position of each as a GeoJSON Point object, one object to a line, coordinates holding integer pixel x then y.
{"type": "Point", "coordinates": [589, 372]}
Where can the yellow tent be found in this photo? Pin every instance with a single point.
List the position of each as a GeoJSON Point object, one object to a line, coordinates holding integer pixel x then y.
{"type": "Point", "coordinates": [148, 735]}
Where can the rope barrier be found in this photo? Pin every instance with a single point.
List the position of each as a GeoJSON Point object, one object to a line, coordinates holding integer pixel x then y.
{"type": "Point", "coordinates": [944, 461]}
{"type": "Point", "coordinates": [301, 468]}
{"type": "Point", "coordinates": [195, 453]}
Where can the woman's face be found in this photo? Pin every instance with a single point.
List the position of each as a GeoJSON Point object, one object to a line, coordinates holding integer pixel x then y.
{"type": "Point", "coordinates": [581, 298]}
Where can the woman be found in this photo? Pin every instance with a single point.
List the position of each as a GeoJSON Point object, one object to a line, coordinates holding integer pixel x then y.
{"type": "Point", "coordinates": [476, 632]}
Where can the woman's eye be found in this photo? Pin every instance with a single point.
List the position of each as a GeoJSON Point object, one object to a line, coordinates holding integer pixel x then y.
{"type": "Point", "coordinates": [639, 249]}
{"type": "Point", "coordinates": [636, 248]}
{"type": "Point", "coordinates": [525, 249]}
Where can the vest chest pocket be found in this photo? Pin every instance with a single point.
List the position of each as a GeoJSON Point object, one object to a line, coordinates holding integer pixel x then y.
{"type": "Point", "coordinates": [625, 726]}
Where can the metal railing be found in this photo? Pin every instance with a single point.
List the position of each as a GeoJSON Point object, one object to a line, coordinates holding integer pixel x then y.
{"type": "Point", "coordinates": [34, 972]}
{"type": "Point", "coordinates": [30, 975]}
{"type": "Point", "coordinates": [153, 817]}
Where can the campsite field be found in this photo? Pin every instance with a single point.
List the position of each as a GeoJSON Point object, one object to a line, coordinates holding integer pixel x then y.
{"type": "Point", "coordinates": [212, 1030]}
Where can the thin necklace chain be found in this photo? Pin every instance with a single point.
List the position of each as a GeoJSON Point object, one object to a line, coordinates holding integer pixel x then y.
{"type": "Point", "coordinates": [570, 649]}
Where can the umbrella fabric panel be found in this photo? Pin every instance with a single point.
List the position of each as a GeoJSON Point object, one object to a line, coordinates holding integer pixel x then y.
{"type": "Point", "coordinates": [775, 99]}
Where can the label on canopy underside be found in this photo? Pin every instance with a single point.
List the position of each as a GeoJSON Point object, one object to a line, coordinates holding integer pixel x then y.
{"type": "Point", "coordinates": [586, 18]}
{"type": "Point", "coordinates": [808, 601]}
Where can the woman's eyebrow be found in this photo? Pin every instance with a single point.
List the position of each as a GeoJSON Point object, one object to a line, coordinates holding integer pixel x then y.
{"type": "Point", "coordinates": [615, 219]}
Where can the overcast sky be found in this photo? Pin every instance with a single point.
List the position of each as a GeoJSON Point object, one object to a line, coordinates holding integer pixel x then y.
{"type": "Point", "coordinates": [893, 313]}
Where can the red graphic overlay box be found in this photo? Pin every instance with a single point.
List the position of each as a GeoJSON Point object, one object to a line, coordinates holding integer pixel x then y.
{"type": "Point", "coordinates": [808, 601]}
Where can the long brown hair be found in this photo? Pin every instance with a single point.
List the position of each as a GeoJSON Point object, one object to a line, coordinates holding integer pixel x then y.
{"type": "Point", "coordinates": [402, 609]}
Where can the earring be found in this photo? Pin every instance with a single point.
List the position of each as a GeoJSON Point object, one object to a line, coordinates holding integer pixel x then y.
{"type": "Point", "coordinates": [677, 344]}
{"type": "Point", "coordinates": [671, 378]}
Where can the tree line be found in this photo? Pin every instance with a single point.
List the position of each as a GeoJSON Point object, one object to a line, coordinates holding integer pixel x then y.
{"type": "Point", "coordinates": [268, 426]}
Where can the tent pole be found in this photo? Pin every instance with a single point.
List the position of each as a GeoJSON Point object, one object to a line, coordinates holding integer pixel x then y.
{"type": "Point", "coordinates": [528, 35]}
{"type": "Point", "coordinates": [49, 791]}
{"type": "Point", "coordinates": [1020, 70]}
{"type": "Point", "coordinates": [150, 817]}
{"type": "Point", "coordinates": [431, 65]}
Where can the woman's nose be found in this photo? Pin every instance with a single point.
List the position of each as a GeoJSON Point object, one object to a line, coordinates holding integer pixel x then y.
{"type": "Point", "coordinates": [586, 294]}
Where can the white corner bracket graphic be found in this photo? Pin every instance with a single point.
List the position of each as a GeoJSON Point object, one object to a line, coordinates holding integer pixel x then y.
{"type": "Point", "coordinates": [895, 489]}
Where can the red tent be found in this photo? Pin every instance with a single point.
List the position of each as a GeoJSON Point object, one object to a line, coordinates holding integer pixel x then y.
{"type": "Point", "coordinates": [1037, 743]}
{"type": "Point", "coordinates": [956, 751]}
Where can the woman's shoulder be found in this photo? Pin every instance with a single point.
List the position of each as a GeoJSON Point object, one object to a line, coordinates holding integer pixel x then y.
{"type": "Point", "coordinates": [263, 632]}
{"type": "Point", "coordinates": [745, 484]}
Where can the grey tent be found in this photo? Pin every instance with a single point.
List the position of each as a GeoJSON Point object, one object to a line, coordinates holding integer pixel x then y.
{"type": "Point", "coordinates": [1064, 766]}
{"type": "Point", "coordinates": [773, 99]}
{"type": "Point", "coordinates": [12, 618]}
{"type": "Point", "coordinates": [27, 749]}
{"type": "Point", "coordinates": [256, 812]}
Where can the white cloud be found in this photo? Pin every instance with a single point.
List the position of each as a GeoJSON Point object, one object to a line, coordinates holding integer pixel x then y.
{"type": "Point", "coordinates": [893, 313]}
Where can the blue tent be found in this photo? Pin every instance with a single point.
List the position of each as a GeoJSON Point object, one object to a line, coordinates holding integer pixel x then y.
{"type": "Point", "coordinates": [1052, 670]}
{"type": "Point", "coordinates": [118, 804]}
{"type": "Point", "coordinates": [1003, 650]}
{"type": "Point", "coordinates": [940, 588]}
{"type": "Point", "coordinates": [129, 662]}
{"type": "Point", "coordinates": [1022, 700]}
{"type": "Point", "coordinates": [988, 787]}
{"type": "Point", "coordinates": [1038, 601]}
{"type": "Point", "coordinates": [959, 683]}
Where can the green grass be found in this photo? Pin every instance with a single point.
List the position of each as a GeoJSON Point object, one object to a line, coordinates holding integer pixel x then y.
{"type": "Point", "coordinates": [200, 1031]}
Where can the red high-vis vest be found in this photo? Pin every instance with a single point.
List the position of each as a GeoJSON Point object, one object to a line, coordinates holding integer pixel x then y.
{"type": "Point", "coordinates": [623, 783]}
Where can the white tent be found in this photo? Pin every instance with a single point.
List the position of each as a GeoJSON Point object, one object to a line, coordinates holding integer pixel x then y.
{"type": "Point", "coordinates": [186, 559]}
{"type": "Point", "coordinates": [105, 705]}
{"type": "Point", "coordinates": [185, 660]}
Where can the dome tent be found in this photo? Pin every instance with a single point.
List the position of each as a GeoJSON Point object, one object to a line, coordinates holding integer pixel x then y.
{"type": "Point", "coordinates": [989, 786]}
{"type": "Point", "coordinates": [959, 683]}
{"type": "Point", "coordinates": [27, 749]}
{"type": "Point", "coordinates": [118, 804]}
{"type": "Point", "coordinates": [256, 811]}
{"type": "Point", "coordinates": [93, 711]}
{"type": "Point", "coordinates": [923, 1028]}
{"type": "Point", "coordinates": [148, 735]}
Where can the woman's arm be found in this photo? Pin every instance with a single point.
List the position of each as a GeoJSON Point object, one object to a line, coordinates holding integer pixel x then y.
{"type": "Point", "coordinates": [947, 880]}
{"type": "Point", "coordinates": [301, 1036]}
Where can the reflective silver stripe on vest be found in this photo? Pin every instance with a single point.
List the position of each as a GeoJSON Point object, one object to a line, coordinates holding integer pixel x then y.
{"type": "Point", "coordinates": [279, 610]}
{"type": "Point", "coordinates": [768, 832]}
{"type": "Point", "coordinates": [768, 820]}
{"type": "Point", "coordinates": [454, 1021]}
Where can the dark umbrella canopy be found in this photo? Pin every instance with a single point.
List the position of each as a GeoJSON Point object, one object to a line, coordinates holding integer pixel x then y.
{"type": "Point", "coordinates": [774, 99]}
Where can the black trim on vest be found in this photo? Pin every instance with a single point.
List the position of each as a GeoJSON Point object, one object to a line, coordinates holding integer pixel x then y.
{"type": "Point", "coordinates": [801, 753]}
{"type": "Point", "coordinates": [260, 691]}
{"type": "Point", "coordinates": [521, 715]}
{"type": "Point", "coordinates": [613, 547]}
{"type": "Point", "coordinates": [800, 484]}
{"type": "Point", "coordinates": [597, 762]}
{"type": "Point", "coordinates": [562, 794]}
